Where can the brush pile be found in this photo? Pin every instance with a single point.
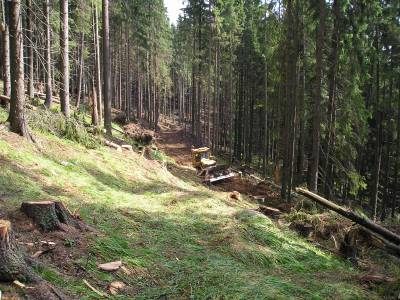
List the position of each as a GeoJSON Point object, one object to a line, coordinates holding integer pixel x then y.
{"type": "Point", "coordinates": [139, 133]}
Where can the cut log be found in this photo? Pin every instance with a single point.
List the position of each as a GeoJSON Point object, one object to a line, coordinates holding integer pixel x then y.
{"type": "Point", "coordinates": [12, 263]}
{"type": "Point", "coordinates": [49, 215]}
{"type": "Point", "coordinates": [127, 147]}
{"type": "Point", "coordinates": [43, 96]}
{"type": "Point", "coordinates": [269, 211]}
{"type": "Point", "coordinates": [113, 145]}
{"type": "Point", "coordinates": [347, 213]}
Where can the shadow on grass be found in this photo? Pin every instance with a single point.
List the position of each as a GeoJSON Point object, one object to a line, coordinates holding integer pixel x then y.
{"type": "Point", "coordinates": [186, 254]}
{"type": "Point", "coordinates": [203, 255]}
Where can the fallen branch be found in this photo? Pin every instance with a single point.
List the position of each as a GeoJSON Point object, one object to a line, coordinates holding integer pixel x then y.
{"type": "Point", "coordinates": [93, 289]}
{"type": "Point", "coordinates": [347, 213]}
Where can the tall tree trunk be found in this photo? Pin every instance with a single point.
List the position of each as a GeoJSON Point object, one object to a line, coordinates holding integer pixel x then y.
{"type": "Point", "coordinates": [31, 89]}
{"type": "Point", "coordinates": [49, 86]}
{"type": "Point", "coordinates": [98, 69]}
{"type": "Point", "coordinates": [81, 69]}
{"type": "Point", "coordinates": [17, 118]}
{"type": "Point", "coordinates": [396, 193]}
{"type": "Point", "coordinates": [265, 149]}
{"type": "Point", "coordinates": [5, 35]}
{"type": "Point", "coordinates": [313, 185]}
{"type": "Point", "coordinates": [378, 144]}
{"type": "Point", "coordinates": [128, 90]}
{"type": "Point", "coordinates": [289, 130]}
{"type": "Point", "coordinates": [95, 114]}
{"type": "Point", "coordinates": [333, 62]}
{"type": "Point", "coordinates": [64, 45]}
{"type": "Point", "coordinates": [106, 69]}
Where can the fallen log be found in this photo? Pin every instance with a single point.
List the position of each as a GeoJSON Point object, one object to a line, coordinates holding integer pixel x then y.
{"type": "Point", "coordinates": [43, 96]}
{"type": "Point", "coordinates": [349, 214]}
{"type": "Point", "coordinates": [113, 145]}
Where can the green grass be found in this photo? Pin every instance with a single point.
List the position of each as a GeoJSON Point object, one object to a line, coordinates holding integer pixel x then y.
{"type": "Point", "coordinates": [179, 239]}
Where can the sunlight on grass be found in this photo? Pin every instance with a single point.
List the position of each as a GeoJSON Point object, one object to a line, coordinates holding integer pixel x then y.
{"type": "Point", "coordinates": [178, 238]}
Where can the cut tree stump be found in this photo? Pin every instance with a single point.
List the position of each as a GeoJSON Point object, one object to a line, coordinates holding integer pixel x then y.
{"type": "Point", "coordinates": [12, 263]}
{"type": "Point", "coordinates": [49, 215]}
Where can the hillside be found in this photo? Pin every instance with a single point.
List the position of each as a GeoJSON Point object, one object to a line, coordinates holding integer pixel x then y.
{"type": "Point", "coordinates": [177, 239]}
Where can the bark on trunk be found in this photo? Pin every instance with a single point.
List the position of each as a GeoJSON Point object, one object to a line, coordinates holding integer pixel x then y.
{"type": "Point", "coordinates": [12, 263]}
{"type": "Point", "coordinates": [64, 45]}
{"type": "Point", "coordinates": [17, 117]}
{"type": "Point", "coordinates": [98, 70]}
{"type": "Point", "coordinates": [95, 115]}
{"type": "Point", "coordinates": [31, 90]}
{"type": "Point", "coordinates": [80, 78]}
{"type": "Point", "coordinates": [317, 101]}
{"type": "Point", "coordinates": [106, 69]}
{"type": "Point", "coordinates": [6, 59]}
{"type": "Point", "coordinates": [49, 88]}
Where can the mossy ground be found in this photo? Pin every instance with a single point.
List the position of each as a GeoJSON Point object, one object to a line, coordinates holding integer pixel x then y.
{"type": "Point", "coordinates": [179, 239]}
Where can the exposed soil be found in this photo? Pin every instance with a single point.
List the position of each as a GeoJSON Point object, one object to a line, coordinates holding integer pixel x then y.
{"type": "Point", "coordinates": [177, 144]}
{"type": "Point", "coordinates": [57, 249]}
{"type": "Point", "coordinates": [174, 142]}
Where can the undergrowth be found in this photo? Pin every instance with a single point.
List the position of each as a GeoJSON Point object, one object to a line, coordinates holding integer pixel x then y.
{"type": "Point", "coordinates": [71, 128]}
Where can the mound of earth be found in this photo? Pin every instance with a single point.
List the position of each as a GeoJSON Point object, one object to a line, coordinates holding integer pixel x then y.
{"type": "Point", "coordinates": [139, 133]}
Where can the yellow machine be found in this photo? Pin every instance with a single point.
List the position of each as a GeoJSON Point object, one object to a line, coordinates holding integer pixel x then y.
{"type": "Point", "coordinates": [202, 159]}
{"type": "Point", "coordinates": [207, 166]}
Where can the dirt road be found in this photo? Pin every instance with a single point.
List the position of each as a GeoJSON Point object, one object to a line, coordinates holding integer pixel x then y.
{"type": "Point", "coordinates": [173, 141]}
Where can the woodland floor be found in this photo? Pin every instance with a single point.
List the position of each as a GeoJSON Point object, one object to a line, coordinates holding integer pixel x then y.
{"type": "Point", "coordinates": [177, 238]}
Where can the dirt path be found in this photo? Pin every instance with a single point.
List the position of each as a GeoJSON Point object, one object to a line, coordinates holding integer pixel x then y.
{"type": "Point", "coordinates": [173, 141]}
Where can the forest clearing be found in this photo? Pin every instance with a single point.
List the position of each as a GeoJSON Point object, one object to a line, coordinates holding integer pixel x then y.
{"type": "Point", "coordinates": [199, 149]}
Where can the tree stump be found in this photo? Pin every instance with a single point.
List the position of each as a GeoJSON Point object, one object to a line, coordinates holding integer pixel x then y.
{"type": "Point", "coordinates": [49, 215]}
{"type": "Point", "coordinates": [12, 263]}
{"type": "Point", "coordinates": [65, 216]}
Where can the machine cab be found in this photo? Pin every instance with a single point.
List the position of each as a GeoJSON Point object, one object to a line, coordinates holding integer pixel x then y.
{"type": "Point", "coordinates": [201, 158]}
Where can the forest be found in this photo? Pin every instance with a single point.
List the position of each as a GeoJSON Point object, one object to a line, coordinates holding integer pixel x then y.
{"type": "Point", "coordinates": [303, 95]}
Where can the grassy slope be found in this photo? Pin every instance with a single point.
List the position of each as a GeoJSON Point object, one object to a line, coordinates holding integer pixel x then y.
{"type": "Point", "coordinates": [179, 239]}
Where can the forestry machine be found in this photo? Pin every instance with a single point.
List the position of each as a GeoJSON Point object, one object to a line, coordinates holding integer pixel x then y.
{"type": "Point", "coordinates": [207, 167]}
